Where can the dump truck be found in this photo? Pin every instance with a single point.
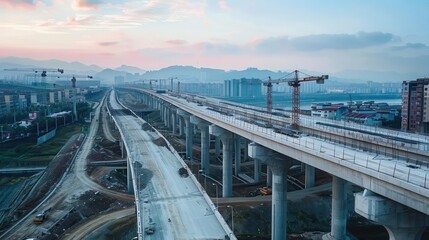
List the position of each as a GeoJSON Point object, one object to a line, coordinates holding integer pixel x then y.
{"type": "Point", "coordinates": [261, 191]}
{"type": "Point", "coordinates": [39, 218]}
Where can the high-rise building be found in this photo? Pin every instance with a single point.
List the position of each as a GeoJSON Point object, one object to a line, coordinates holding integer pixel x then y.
{"type": "Point", "coordinates": [243, 87]}
{"type": "Point", "coordinates": [415, 106]}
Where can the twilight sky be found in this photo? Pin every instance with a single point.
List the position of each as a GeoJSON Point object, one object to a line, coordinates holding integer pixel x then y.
{"type": "Point", "coordinates": [326, 36]}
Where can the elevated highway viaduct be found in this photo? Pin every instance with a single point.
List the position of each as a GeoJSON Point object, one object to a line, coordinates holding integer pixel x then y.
{"type": "Point", "coordinates": [392, 184]}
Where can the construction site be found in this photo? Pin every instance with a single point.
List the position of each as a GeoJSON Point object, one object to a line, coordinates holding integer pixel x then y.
{"type": "Point", "coordinates": [84, 187]}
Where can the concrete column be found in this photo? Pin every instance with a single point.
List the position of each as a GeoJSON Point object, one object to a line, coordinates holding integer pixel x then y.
{"type": "Point", "coordinates": [161, 113]}
{"type": "Point", "coordinates": [246, 150]}
{"type": "Point", "coordinates": [129, 178]}
{"type": "Point", "coordinates": [257, 170]}
{"type": "Point", "coordinates": [279, 204]}
{"type": "Point", "coordinates": [400, 221]}
{"type": "Point", "coordinates": [181, 126]}
{"type": "Point", "coordinates": [227, 143]}
{"type": "Point", "coordinates": [173, 122]}
{"type": "Point", "coordinates": [269, 177]}
{"type": "Point", "coordinates": [339, 210]}
{"type": "Point", "coordinates": [205, 142]}
{"type": "Point", "coordinates": [189, 135]}
{"type": "Point", "coordinates": [279, 188]}
{"type": "Point", "coordinates": [309, 176]}
{"type": "Point", "coordinates": [237, 154]}
{"type": "Point", "coordinates": [188, 132]}
{"type": "Point", "coordinates": [165, 114]}
{"type": "Point", "coordinates": [217, 146]}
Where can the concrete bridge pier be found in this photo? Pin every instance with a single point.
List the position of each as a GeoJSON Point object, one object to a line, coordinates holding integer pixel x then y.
{"type": "Point", "coordinates": [130, 188]}
{"type": "Point", "coordinates": [217, 146]}
{"type": "Point", "coordinates": [256, 169]}
{"type": "Point", "coordinates": [227, 148]}
{"type": "Point", "coordinates": [269, 176]}
{"type": "Point", "coordinates": [401, 222]}
{"type": "Point", "coordinates": [237, 154]}
{"type": "Point", "coordinates": [173, 122]}
{"type": "Point", "coordinates": [279, 197]}
{"type": "Point", "coordinates": [188, 132]}
{"type": "Point", "coordinates": [181, 126]}
{"type": "Point", "coordinates": [205, 142]}
{"type": "Point", "coordinates": [339, 210]}
{"type": "Point", "coordinates": [309, 176]}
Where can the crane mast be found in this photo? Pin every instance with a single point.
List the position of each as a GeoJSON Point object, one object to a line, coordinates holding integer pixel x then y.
{"type": "Point", "coordinates": [73, 81]}
{"type": "Point", "coordinates": [294, 82]}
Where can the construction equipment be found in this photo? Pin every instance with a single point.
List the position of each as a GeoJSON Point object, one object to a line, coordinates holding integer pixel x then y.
{"type": "Point", "coordinates": [73, 80]}
{"type": "Point", "coordinates": [263, 191]}
{"type": "Point", "coordinates": [39, 218]}
{"type": "Point", "coordinates": [42, 71]}
{"type": "Point", "coordinates": [294, 82]}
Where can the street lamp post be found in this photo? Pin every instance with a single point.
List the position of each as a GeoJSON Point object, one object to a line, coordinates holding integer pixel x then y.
{"type": "Point", "coordinates": [232, 217]}
{"type": "Point", "coordinates": [217, 198]}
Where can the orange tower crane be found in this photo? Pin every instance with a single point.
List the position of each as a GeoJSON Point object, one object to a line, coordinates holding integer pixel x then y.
{"type": "Point", "coordinates": [294, 82]}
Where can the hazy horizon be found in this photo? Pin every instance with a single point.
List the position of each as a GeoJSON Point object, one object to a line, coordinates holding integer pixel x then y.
{"type": "Point", "coordinates": [323, 36]}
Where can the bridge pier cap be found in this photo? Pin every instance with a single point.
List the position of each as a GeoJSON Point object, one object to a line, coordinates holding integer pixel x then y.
{"type": "Point", "coordinates": [198, 121]}
{"type": "Point", "coordinates": [401, 222]}
{"type": "Point", "coordinates": [182, 113]}
{"type": "Point", "coordinates": [273, 159]}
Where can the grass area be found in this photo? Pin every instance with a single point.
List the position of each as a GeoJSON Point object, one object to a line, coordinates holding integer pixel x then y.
{"type": "Point", "coordinates": [25, 152]}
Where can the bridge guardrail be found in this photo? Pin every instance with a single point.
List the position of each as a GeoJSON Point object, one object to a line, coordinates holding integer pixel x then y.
{"type": "Point", "coordinates": [328, 149]}
{"type": "Point", "coordinates": [201, 189]}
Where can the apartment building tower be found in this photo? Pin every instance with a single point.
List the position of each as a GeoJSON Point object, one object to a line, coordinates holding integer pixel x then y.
{"type": "Point", "coordinates": [415, 106]}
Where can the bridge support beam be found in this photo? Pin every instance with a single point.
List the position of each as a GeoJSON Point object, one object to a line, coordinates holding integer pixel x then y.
{"type": "Point", "coordinates": [269, 176]}
{"type": "Point", "coordinates": [400, 221]}
{"type": "Point", "coordinates": [173, 122]}
{"type": "Point", "coordinates": [181, 126]}
{"type": "Point", "coordinates": [256, 170]}
{"type": "Point", "coordinates": [227, 143]}
{"type": "Point", "coordinates": [279, 197]}
{"type": "Point", "coordinates": [188, 132]}
{"type": "Point", "coordinates": [237, 154]}
{"type": "Point", "coordinates": [130, 188]}
{"type": "Point", "coordinates": [339, 210]}
{"type": "Point", "coordinates": [205, 143]}
{"type": "Point", "coordinates": [309, 176]}
{"type": "Point", "coordinates": [217, 146]}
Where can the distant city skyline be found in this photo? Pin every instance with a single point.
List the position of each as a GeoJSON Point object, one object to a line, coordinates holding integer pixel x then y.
{"type": "Point", "coordinates": [325, 36]}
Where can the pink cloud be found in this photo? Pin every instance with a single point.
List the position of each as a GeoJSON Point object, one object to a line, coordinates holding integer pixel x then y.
{"type": "Point", "coordinates": [22, 4]}
{"type": "Point", "coordinates": [176, 42]}
{"type": "Point", "coordinates": [107, 44]}
{"type": "Point", "coordinates": [222, 5]}
{"type": "Point", "coordinates": [86, 4]}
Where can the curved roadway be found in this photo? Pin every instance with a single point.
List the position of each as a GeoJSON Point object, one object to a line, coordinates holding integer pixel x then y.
{"type": "Point", "coordinates": [172, 205]}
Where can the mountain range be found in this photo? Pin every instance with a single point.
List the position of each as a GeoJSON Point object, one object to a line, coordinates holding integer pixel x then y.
{"type": "Point", "coordinates": [189, 73]}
